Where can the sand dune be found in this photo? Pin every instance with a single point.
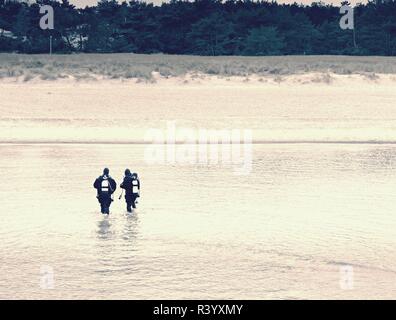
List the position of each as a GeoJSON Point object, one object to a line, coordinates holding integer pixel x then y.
{"type": "Point", "coordinates": [132, 66]}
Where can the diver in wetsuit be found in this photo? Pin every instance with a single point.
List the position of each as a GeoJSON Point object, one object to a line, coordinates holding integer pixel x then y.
{"type": "Point", "coordinates": [131, 185]}
{"type": "Point", "coordinates": [105, 186]}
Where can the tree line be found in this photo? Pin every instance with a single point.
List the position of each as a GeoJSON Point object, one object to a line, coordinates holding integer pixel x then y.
{"type": "Point", "coordinates": [200, 27]}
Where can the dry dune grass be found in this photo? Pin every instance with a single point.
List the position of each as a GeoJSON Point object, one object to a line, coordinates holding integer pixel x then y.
{"type": "Point", "coordinates": [127, 66]}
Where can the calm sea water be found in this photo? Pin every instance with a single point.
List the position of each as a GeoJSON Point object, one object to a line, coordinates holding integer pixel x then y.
{"type": "Point", "coordinates": [288, 230]}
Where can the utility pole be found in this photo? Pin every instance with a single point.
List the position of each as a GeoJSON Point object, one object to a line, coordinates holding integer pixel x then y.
{"type": "Point", "coordinates": [354, 38]}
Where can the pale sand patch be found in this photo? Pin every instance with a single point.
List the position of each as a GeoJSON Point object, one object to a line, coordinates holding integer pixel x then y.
{"type": "Point", "coordinates": [217, 80]}
{"type": "Point", "coordinates": [305, 107]}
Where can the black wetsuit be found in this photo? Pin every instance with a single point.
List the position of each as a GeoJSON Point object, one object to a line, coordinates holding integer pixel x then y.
{"type": "Point", "coordinates": [131, 186]}
{"type": "Point", "coordinates": [105, 185]}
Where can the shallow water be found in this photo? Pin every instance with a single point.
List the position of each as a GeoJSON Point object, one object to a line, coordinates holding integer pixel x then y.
{"type": "Point", "coordinates": [200, 231]}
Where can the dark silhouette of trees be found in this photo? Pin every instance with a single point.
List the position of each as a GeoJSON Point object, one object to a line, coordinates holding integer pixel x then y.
{"type": "Point", "coordinates": [201, 27]}
{"type": "Point", "coordinates": [263, 41]}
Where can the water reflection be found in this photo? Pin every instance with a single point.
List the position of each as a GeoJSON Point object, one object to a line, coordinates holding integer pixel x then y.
{"type": "Point", "coordinates": [130, 229]}
{"type": "Point", "coordinates": [104, 224]}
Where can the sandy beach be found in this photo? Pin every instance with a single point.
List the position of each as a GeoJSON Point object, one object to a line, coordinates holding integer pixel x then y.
{"type": "Point", "coordinates": [308, 107]}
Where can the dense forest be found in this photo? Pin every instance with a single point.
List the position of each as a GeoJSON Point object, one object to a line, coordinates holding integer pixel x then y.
{"type": "Point", "coordinates": [200, 27]}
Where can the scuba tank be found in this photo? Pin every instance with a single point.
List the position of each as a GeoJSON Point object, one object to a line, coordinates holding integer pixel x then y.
{"type": "Point", "coordinates": [135, 186]}
{"type": "Point", "coordinates": [105, 185]}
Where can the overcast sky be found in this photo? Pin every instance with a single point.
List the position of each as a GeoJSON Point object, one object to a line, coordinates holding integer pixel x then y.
{"type": "Point", "coordinates": [83, 3]}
